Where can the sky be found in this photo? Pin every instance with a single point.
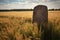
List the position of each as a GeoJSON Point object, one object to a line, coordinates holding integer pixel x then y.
{"type": "Point", "coordinates": [28, 4]}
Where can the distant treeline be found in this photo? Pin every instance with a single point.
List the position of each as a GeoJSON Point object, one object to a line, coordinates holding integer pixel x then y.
{"type": "Point", "coordinates": [54, 9]}
{"type": "Point", "coordinates": [17, 10]}
{"type": "Point", "coordinates": [27, 10]}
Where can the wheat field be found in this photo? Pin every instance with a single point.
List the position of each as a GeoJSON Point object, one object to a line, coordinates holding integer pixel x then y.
{"type": "Point", "coordinates": [18, 13]}
{"type": "Point", "coordinates": [29, 14]}
{"type": "Point", "coordinates": [17, 25]}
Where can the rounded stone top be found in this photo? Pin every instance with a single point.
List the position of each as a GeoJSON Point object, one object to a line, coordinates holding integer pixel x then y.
{"type": "Point", "coordinates": [40, 6]}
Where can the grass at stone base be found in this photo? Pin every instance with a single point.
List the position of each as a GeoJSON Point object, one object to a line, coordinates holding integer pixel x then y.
{"type": "Point", "coordinates": [17, 28]}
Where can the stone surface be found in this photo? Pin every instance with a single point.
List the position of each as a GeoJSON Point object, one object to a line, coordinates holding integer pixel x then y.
{"type": "Point", "coordinates": [40, 15]}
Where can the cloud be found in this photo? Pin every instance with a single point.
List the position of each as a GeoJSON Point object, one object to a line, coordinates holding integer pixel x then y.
{"type": "Point", "coordinates": [18, 5]}
{"type": "Point", "coordinates": [55, 0]}
{"type": "Point", "coordinates": [30, 1]}
{"type": "Point", "coordinates": [11, 1]}
{"type": "Point", "coordinates": [55, 5]}
{"type": "Point", "coordinates": [28, 4]}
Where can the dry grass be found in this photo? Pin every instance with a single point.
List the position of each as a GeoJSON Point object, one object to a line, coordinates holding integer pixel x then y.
{"type": "Point", "coordinates": [53, 15]}
{"type": "Point", "coordinates": [17, 14]}
{"type": "Point", "coordinates": [18, 25]}
{"type": "Point", "coordinates": [17, 28]}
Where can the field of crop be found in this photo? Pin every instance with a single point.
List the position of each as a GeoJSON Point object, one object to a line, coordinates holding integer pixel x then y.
{"type": "Point", "coordinates": [17, 25]}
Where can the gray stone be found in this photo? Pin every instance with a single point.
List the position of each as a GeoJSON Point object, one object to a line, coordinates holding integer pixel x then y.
{"type": "Point", "coordinates": [40, 16]}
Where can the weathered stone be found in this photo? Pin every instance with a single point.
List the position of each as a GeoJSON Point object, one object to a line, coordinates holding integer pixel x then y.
{"type": "Point", "coordinates": [40, 15]}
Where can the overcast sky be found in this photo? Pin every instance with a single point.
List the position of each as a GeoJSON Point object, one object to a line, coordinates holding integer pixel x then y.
{"type": "Point", "coordinates": [28, 4]}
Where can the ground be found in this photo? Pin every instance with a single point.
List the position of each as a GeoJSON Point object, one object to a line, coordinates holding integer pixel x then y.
{"type": "Point", "coordinates": [17, 25]}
